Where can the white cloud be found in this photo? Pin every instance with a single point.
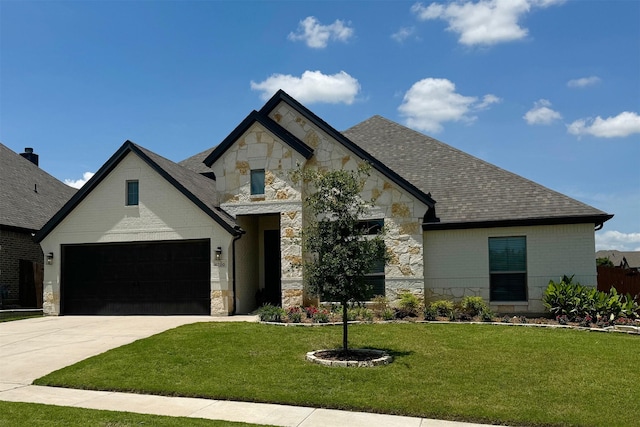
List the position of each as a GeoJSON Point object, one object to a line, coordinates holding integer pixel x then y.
{"type": "Point", "coordinates": [430, 102]}
{"type": "Point", "coordinates": [624, 124]}
{"type": "Point", "coordinates": [317, 35]}
{"type": "Point", "coordinates": [78, 183]}
{"type": "Point", "coordinates": [485, 22]}
{"type": "Point", "coordinates": [541, 113]}
{"type": "Point", "coordinates": [312, 87]}
{"type": "Point", "coordinates": [403, 33]}
{"type": "Point", "coordinates": [615, 240]}
{"type": "Point", "coordinates": [583, 82]}
{"type": "Point", "coordinates": [487, 101]}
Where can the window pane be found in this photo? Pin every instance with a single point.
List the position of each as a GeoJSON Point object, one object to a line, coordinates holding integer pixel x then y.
{"type": "Point", "coordinates": [132, 193]}
{"type": "Point", "coordinates": [257, 181]}
{"type": "Point", "coordinates": [377, 285]}
{"type": "Point", "coordinates": [507, 254]}
{"type": "Point", "coordinates": [508, 268]}
{"type": "Point", "coordinates": [508, 287]}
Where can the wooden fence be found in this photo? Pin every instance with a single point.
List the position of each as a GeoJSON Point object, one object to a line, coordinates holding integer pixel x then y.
{"type": "Point", "coordinates": [625, 280]}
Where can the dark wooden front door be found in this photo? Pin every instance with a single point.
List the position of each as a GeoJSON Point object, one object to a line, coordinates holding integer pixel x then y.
{"type": "Point", "coordinates": [169, 277]}
{"type": "Point", "coordinates": [272, 284]}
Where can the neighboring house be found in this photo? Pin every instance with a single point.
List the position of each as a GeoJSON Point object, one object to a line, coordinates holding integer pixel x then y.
{"type": "Point", "coordinates": [621, 259]}
{"type": "Point", "coordinates": [624, 276]}
{"type": "Point", "coordinates": [28, 199]}
{"type": "Point", "coordinates": [220, 232]}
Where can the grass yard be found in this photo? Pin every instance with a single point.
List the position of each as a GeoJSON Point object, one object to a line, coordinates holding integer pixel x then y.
{"type": "Point", "coordinates": [35, 415]}
{"type": "Point", "coordinates": [482, 373]}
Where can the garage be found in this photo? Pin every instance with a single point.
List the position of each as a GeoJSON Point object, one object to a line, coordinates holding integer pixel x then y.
{"type": "Point", "coordinates": [148, 278]}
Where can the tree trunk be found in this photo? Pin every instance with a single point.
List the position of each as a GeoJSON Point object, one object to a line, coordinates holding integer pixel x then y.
{"type": "Point", "coordinates": [345, 347]}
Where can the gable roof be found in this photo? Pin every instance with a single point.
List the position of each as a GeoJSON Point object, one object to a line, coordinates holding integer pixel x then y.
{"type": "Point", "coordinates": [273, 127]}
{"type": "Point", "coordinates": [194, 186]}
{"type": "Point", "coordinates": [618, 257]}
{"type": "Point", "coordinates": [29, 195]}
{"type": "Point", "coordinates": [470, 192]}
{"type": "Point", "coordinates": [342, 138]}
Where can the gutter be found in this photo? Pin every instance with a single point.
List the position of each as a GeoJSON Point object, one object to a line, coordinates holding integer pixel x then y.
{"type": "Point", "coordinates": [233, 271]}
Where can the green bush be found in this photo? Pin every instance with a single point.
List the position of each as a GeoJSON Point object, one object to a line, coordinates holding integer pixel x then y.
{"type": "Point", "coordinates": [473, 306]}
{"type": "Point", "coordinates": [575, 301]}
{"type": "Point", "coordinates": [487, 315]}
{"type": "Point", "coordinates": [408, 306]}
{"type": "Point", "coordinates": [443, 308]}
{"type": "Point", "coordinates": [271, 313]}
{"type": "Point", "coordinates": [388, 314]}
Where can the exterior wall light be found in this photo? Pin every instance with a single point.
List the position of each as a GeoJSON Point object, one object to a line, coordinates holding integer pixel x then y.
{"type": "Point", "coordinates": [50, 258]}
{"type": "Point", "coordinates": [218, 253]}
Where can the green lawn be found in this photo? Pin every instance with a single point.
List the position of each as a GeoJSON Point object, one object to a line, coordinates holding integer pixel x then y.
{"type": "Point", "coordinates": [484, 373]}
{"type": "Point", "coordinates": [35, 415]}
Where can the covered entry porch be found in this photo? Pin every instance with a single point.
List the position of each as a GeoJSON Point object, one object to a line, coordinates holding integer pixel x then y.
{"type": "Point", "coordinates": [266, 256]}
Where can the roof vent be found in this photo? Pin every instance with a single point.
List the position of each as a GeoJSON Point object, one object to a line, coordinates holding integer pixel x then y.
{"type": "Point", "coordinates": [30, 155]}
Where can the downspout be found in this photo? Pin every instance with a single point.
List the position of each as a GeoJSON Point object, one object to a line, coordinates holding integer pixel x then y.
{"type": "Point", "coordinates": [233, 271]}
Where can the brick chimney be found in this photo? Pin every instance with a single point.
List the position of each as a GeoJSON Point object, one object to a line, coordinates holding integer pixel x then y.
{"type": "Point", "coordinates": [30, 155]}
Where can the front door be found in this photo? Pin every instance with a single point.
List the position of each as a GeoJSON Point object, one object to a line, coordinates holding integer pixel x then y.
{"type": "Point", "coordinates": [272, 284]}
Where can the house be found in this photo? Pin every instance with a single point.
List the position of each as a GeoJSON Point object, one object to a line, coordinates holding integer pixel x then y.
{"type": "Point", "coordinates": [220, 231]}
{"type": "Point", "coordinates": [624, 275]}
{"type": "Point", "coordinates": [28, 198]}
{"type": "Point", "coordinates": [622, 259]}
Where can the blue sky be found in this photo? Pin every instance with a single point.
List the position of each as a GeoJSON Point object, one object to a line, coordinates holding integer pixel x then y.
{"type": "Point", "coordinates": [547, 89]}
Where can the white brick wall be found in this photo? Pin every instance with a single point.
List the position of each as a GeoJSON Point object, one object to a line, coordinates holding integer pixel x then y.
{"type": "Point", "coordinates": [457, 261]}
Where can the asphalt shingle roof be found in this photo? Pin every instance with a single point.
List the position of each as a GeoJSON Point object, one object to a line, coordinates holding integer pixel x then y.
{"type": "Point", "coordinates": [466, 189]}
{"type": "Point", "coordinates": [28, 195]}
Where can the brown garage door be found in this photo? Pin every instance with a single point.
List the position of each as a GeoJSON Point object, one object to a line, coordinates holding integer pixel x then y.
{"type": "Point", "coordinates": [156, 278]}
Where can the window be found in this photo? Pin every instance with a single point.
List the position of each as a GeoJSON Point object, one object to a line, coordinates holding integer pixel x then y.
{"type": "Point", "coordinates": [132, 193]}
{"type": "Point", "coordinates": [508, 268]}
{"type": "Point", "coordinates": [257, 182]}
{"type": "Point", "coordinates": [375, 278]}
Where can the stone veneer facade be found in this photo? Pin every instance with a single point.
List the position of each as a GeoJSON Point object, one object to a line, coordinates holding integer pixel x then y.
{"type": "Point", "coordinates": [259, 149]}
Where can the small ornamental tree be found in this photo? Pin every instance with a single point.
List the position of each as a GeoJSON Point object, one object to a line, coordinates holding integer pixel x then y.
{"type": "Point", "coordinates": [341, 251]}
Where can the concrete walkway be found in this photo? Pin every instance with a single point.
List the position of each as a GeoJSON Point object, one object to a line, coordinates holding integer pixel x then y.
{"type": "Point", "coordinates": [32, 348]}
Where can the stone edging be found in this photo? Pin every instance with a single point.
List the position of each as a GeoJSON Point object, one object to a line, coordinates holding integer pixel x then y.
{"type": "Point", "coordinates": [627, 329]}
{"type": "Point", "coordinates": [383, 358]}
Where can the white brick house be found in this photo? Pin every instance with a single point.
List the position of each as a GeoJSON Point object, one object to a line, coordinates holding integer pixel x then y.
{"type": "Point", "coordinates": [457, 225]}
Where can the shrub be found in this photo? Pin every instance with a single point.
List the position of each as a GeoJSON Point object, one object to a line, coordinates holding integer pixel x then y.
{"type": "Point", "coordinates": [321, 316]}
{"type": "Point", "coordinates": [294, 314]}
{"type": "Point", "coordinates": [473, 306]}
{"type": "Point", "coordinates": [310, 311]}
{"type": "Point", "coordinates": [487, 315]}
{"type": "Point", "coordinates": [388, 314]}
{"type": "Point", "coordinates": [352, 314]}
{"type": "Point", "coordinates": [379, 304]}
{"type": "Point", "coordinates": [408, 306]}
{"type": "Point", "coordinates": [270, 313]}
{"type": "Point", "coordinates": [575, 301]}
{"type": "Point", "coordinates": [443, 308]}
{"type": "Point", "coordinates": [430, 313]}
{"type": "Point", "coordinates": [363, 313]}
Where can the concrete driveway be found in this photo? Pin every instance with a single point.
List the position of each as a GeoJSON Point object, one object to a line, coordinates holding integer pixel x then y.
{"type": "Point", "coordinates": [31, 348]}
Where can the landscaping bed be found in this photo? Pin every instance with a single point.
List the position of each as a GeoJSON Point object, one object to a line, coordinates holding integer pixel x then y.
{"type": "Point", "coordinates": [569, 305]}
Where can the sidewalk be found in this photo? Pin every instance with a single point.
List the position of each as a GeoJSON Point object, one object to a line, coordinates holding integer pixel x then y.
{"type": "Point", "coordinates": [258, 413]}
{"type": "Point", "coordinates": [32, 348]}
